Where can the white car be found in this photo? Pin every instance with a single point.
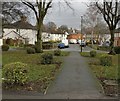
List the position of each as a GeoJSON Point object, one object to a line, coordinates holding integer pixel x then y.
{"type": "Point", "coordinates": [66, 43]}
{"type": "Point", "coordinates": [73, 41]}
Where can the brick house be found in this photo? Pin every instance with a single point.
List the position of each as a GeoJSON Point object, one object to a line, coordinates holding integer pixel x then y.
{"type": "Point", "coordinates": [117, 37]}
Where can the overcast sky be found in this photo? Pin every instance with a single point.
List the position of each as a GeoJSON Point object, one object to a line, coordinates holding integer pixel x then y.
{"type": "Point", "coordinates": [61, 14]}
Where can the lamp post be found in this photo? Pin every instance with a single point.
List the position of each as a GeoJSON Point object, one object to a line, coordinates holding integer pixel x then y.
{"type": "Point", "coordinates": [81, 31]}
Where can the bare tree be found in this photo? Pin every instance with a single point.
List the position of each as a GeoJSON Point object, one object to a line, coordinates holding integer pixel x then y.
{"type": "Point", "coordinates": [110, 14]}
{"type": "Point", "coordinates": [63, 28]}
{"type": "Point", "coordinates": [40, 8]}
{"type": "Point", "coordinates": [11, 11]}
{"type": "Point", "coordinates": [91, 19]}
{"type": "Point", "coordinates": [51, 27]}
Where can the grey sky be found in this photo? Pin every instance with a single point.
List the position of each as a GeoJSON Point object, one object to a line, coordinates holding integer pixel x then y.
{"type": "Point", "coordinates": [63, 15]}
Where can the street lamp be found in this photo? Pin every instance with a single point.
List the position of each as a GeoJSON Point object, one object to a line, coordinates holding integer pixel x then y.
{"type": "Point", "coordinates": [81, 31]}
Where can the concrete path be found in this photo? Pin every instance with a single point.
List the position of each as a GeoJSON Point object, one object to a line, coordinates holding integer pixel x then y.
{"type": "Point", "coordinates": [76, 78]}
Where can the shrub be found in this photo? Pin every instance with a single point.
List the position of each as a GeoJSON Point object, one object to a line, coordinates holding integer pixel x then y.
{"type": "Point", "coordinates": [117, 49]}
{"type": "Point", "coordinates": [5, 47]}
{"type": "Point", "coordinates": [15, 73]}
{"type": "Point", "coordinates": [47, 58]}
{"type": "Point", "coordinates": [106, 60]}
{"type": "Point", "coordinates": [57, 52]}
{"type": "Point", "coordinates": [93, 53]}
{"type": "Point", "coordinates": [30, 50]}
{"type": "Point", "coordinates": [10, 41]}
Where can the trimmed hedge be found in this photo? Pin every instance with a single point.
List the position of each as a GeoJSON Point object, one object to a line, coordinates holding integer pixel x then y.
{"type": "Point", "coordinates": [47, 46]}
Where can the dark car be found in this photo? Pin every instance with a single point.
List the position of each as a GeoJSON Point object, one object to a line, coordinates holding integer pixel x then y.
{"type": "Point", "coordinates": [61, 45]}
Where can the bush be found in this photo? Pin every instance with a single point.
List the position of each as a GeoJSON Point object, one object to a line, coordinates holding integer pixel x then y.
{"type": "Point", "coordinates": [57, 52]}
{"type": "Point", "coordinates": [93, 53]}
{"type": "Point", "coordinates": [10, 41]}
{"type": "Point", "coordinates": [15, 73]}
{"type": "Point", "coordinates": [117, 49]}
{"type": "Point", "coordinates": [106, 60]}
{"type": "Point", "coordinates": [47, 58]}
{"type": "Point", "coordinates": [30, 50]}
{"type": "Point", "coordinates": [5, 47]}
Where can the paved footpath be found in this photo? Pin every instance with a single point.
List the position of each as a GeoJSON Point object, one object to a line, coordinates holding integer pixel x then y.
{"type": "Point", "coordinates": [75, 81]}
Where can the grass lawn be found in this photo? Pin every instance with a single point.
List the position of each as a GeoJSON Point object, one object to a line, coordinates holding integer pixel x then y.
{"type": "Point", "coordinates": [40, 75]}
{"type": "Point", "coordinates": [108, 72]}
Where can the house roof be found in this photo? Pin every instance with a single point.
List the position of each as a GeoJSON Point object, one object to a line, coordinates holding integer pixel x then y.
{"type": "Point", "coordinates": [117, 30]}
{"type": "Point", "coordinates": [20, 25]}
{"type": "Point", "coordinates": [23, 25]}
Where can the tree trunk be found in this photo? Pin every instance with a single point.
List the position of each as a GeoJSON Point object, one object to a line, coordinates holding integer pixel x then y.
{"type": "Point", "coordinates": [39, 39]}
{"type": "Point", "coordinates": [112, 52]}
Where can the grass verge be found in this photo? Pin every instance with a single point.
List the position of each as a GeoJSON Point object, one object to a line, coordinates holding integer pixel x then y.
{"type": "Point", "coordinates": [40, 76]}
{"type": "Point", "coordinates": [105, 73]}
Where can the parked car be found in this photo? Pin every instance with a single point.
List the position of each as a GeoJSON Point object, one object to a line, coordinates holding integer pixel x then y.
{"type": "Point", "coordinates": [106, 43]}
{"type": "Point", "coordinates": [61, 45]}
{"type": "Point", "coordinates": [72, 41]}
{"type": "Point", "coordinates": [66, 43]}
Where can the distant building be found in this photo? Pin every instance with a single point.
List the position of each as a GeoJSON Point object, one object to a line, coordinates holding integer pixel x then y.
{"type": "Point", "coordinates": [27, 33]}
{"type": "Point", "coordinates": [73, 38]}
{"type": "Point", "coordinates": [20, 30]}
{"type": "Point", "coordinates": [117, 37]}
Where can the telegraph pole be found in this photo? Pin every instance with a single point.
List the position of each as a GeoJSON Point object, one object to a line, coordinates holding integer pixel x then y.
{"type": "Point", "coordinates": [81, 31]}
